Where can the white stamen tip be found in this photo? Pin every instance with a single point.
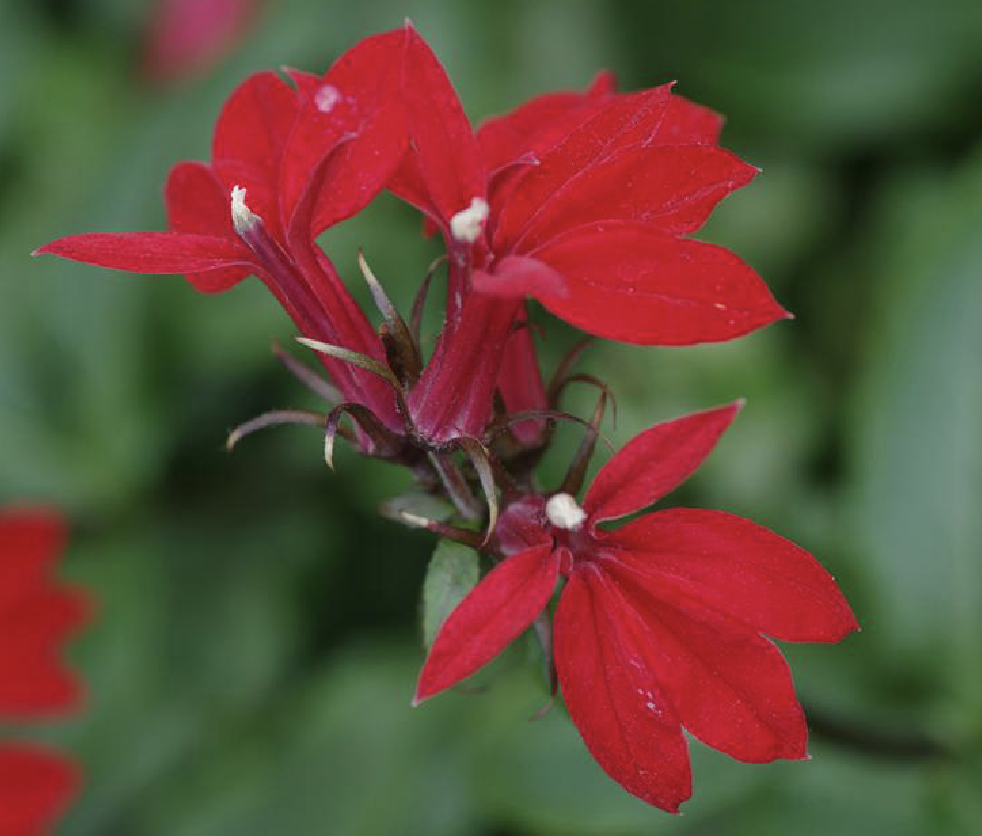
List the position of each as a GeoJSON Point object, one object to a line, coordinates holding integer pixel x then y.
{"type": "Point", "coordinates": [414, 520]}
{"type": "Point", "coordinates": [467, 224]}
{"type": "Point", "coordinates": [326, 97]}
{"type": "Point", "coordinates": [243, 218]}
{"type": "Point", "coordinates": [563, 512]}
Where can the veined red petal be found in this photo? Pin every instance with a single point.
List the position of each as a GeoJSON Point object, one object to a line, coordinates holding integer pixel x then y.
{"type": "Point", "coordinates": [530, 126]}
{"type": "Point", "coordinates": [731, 687]}
{"type": "Point", "coordinates": [655, 462]}
{"type": "Point", "coordinates": [151, 252]}
{"type": "Point", "coordinates": [357, 99]}
{"type": "Point", "coordinates": [687, 122]}
{"type": "Point", "coordinates": [520, 383]}
{"type": "Point", "coordinates": [630, 283]}
{"type": "Point", "coordinates": [446, 153]}
{"type": "Point", "coordinates": [736, 567]}
{"type": "Point", "coordinates": [35, 787]}
{"type": "Point", "coordinates": [621, 122]}
{"type": "Point", "coordinates": [613, 696]}
{"type": "Point", "coordinates": [499, 609]}
{"type": "Point", "coordinates": [197, 202]}
{"type": "Point", "coordinates": [671, 188]}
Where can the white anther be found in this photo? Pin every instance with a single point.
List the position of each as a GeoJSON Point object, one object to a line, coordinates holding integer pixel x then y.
{"type": "Point", "coordinates": [414, 520]}
{"type": "Point", "coordinates": [326, 97]}
{"type": "Point", "coordinates": [563, 512]}
{"type": "Point", "coordinates": [243, 218]}
{"type": "Point", "coordinates": [467, 224]}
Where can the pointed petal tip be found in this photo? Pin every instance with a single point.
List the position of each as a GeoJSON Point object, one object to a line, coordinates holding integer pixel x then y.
{"type": "Point", "coordinates": [416, 701]}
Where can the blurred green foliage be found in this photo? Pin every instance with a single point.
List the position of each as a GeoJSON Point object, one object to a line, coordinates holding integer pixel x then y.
{"type": "Point", "coordinates": [258, 637]}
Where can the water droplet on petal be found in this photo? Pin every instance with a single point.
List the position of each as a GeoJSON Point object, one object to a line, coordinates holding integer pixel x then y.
{"type": "Point", "coordinates": [326, 97]}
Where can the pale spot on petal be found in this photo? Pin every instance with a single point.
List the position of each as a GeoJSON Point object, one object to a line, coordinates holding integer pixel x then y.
{"type": "Point", "coordinates": [326, 97]}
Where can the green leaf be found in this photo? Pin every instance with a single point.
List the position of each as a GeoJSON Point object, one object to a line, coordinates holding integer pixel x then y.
{"type": "Point", "coordinates": [453, 572]}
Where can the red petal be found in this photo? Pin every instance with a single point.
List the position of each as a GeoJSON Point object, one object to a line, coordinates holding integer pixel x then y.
{"type": "Point", "coordinates": [518, 276]}
{"type": "Point", "coordinates": [655, 462]}
{"type": "Point", "coordinates": [186, 37]}
{"type": "Point", "coordinates": [627, 282]}
{"type": "Point", "coordinates": [687, 122]}
{"type": "Point", "coordinates": [37, 617]}
{"type": "Point", "coordinates": [731, 688]}
{"type": "Point", "coordinates": [538, 124]}
{"type": "Point", "coordinates": [499, 609]}
{"type": "Point", "coordinates": [35, 681]}
{"type": "Point", "coordinates": [250, 135]}
{"type": "Point", "coordinates": [357, 99]}
{"type": "Point", "coordinates": [455, 394]}
{"type": "Point", "coordinates": [197, 202]}
{"type": "Point", "coordinates": [35, 787]}
{"type": "Point", "coordinates": [672, 188]}
{"type": "Point", "coordinates": [520, 384]}
{"type": "Point", "coordinates": [151, 252]}
{"type": "Point", "coordinates": [613, 696]}
{"type": "Point", "coordinates": [739, 568]}
{"type": "Point", "coordinates": [446, 152]}
{"type": "Point", "coordinates": [621, 122]}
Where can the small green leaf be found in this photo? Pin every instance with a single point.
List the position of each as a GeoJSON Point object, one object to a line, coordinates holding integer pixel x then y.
{"type": "Point", "coordinates": [419, 504]}
{"type": "Point", "coordinates": [453, 572]}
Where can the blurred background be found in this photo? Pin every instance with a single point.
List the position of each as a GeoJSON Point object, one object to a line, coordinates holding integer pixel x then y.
{"type": "Point", "coordinates": [257, 642]}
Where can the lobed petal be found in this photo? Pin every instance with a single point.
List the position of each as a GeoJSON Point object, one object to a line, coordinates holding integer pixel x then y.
{"type": "Point", "coordinates": [35, 787]}
{"type": "Point", "coordinates": [655, 462]}
{"type": "Point", "coordinates": [733, 566]}
{"type": "Point", "coordinates": [198, 203]}
{"type": "Point", "coordinates": [688, 122]}
{"type": "Point", "coordinates": [499, 609]}
{"type": "Point", "coordinates": [630, 283]}
{"type": "Point", "coordinates": [621, 122]}
{"type": "Point", "coordinates": [37, 616]}
{"type": "Point", "coordinates": [446, 158]}
{"type": "Point", "coordinates": [539, 123]}
{"type": "Point", "coordinates": [613, 695]}
{"type": "Point", "coordinates": [355, 111]}
{"type": "Point", "coordinates": [518, 276]}
{"type": "Point", "coordinates": [731, 687]}
{"type": "Point", "coordinates": [671, 188]}
{"type": "Point", "coordinates": [153, 252]}
{"type": "Point", "coordinates": [250, 136]}
{"type": "Point", "coordinates": [520, 383]}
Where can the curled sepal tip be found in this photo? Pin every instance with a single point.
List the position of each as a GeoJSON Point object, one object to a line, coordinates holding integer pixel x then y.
{"type": "Point", "coordinates": [384, 442]}
{"type": "Point", "coordinates": [273, 418]}
{"type": "Point", "coordinates": [480, 457]}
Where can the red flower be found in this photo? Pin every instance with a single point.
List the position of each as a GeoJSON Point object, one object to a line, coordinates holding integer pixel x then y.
{"type": "Point", "coordinates": [36, 618]}
{"type": "Point", "coordinates": [660, 623]}
{"type": "Point", "coordinates": [286, 164]}
{"type": "Point", "coordinates": [186, 37]}
{"type": "Point", "coordinates": [580, 200]}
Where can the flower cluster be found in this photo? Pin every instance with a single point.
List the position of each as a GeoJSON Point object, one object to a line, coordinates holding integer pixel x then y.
{"type": "Point", "coordinates": [37, 618]}
{"type": "Point", "coordinates": [583, 201]}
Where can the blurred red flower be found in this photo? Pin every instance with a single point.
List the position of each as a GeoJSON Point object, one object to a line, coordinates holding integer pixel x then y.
{"type": "Point", "coordinates": [37, 617]}
{"type": "Point", "coordinates": [187, 37]}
